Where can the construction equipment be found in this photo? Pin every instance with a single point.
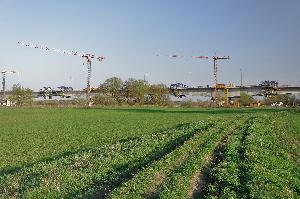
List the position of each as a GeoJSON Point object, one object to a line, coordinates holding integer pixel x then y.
{"type": "Point", "coordinates": [226, 95]}
{"type": "Point", "coordinates": [269, 88]}
{"type": "Point", "coordinates": [220, 86]}
{"type": "Point", "coordinates": [216, 58]}
{"type": "Point", "coordinates": [88, 61]}
{"type": "Point", "coordinates": [48, 92]}
{"type": "Point", "coordinates": [215, 74]}
{"type": "Point", "coordinates": [4, 72]}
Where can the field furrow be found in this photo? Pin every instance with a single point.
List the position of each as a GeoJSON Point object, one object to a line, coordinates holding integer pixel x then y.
{"type": "Point", "coordinates": [191, 177]}
{"type": "Point", "coordinates": [97, 169]}
{"type": "Point", "coordinates": [270, 171]}
{"type": "Point", "coordinates": [153, 179]}
{"type": "Point", "coordinates": [246, 155]}
{"type": "Point", "coordinates": [224, 175]}
{"type": "Point", "coordinates": [255, 164]}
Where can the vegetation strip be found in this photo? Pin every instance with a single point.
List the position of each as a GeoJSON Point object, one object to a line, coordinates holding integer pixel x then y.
{"type": "Point", "coordinates": [223, 179]}
{"type": "Point", "coordinates": [132, 168]}
{"type": "Point", "coordinates": [202, 177]}
{"type": "Point", "coordinates": [149, 182]}
{"type": "Point", "coordinates": [255, 164]}
{"type": "Point", "coordinates": [181, 182]}
{"type": "Point", "coordinates": [271, 174]}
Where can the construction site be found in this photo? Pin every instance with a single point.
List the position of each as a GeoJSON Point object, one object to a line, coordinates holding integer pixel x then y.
{"type": "Point", "coordinates": [219, 94]}
{"type": "Point", "coordinates": [149, 99]}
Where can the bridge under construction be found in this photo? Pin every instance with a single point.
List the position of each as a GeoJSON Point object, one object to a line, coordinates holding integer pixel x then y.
{"type": "Point", "coordinates": [232, 92]}
{"type": "Point", "coordinates": [181, 91]}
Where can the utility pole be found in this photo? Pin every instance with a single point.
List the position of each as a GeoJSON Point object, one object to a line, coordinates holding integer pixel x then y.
{"type": "Point", "coordinates": [241, 77]}
{"type": "Point", "coordinates": [145, 74]}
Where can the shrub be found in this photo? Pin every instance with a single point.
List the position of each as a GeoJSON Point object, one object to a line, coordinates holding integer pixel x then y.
{"type": "Point", "coordinates": [104, 100]}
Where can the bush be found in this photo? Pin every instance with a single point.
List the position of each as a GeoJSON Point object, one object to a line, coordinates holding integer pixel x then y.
{"type": "Point", "coordinates": [21, 96]}
{"type": "Point", "coordinates": [286, 99]}
{"type": "Point", "coordinates": [77, 102]}
{"type": "Point", "coordinates": [187, 104]}
{"type": "Point", "coordinates": [104, 100]}
{"type": "Point", "coordinates": [245, 99]}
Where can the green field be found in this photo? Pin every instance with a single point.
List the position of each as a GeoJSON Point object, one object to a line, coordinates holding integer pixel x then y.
{"type": "Point", "coordinates": [149, 153]}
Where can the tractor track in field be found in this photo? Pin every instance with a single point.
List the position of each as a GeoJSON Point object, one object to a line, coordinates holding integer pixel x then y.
{"type": "Point", "coordinates": [124, 171]}
{"type": "Point", "coordinates": [155, 187]}
{"type": "Point", "coordinates": [156, 190]}
{"type": "Point", "coordinates": [157, 154]}
{"type": "Point", "coordinates": [103, 190]}
{"type": "Point", "coordinates": [243, 189]}
{"type": "Point", "coordinates": [203, 177]}
{"type": "Point", "coordinates": [15, 169]}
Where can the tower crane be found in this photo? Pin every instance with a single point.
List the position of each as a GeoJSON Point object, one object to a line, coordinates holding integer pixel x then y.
{"type": "Point", "coordinates": [216, 58]}
{"type": "Point", "coordinates": [215, 74]}
{"type": "Point", "coordinates": [88, 57]}
{"type": "Point", "coordinates": [4, 72]}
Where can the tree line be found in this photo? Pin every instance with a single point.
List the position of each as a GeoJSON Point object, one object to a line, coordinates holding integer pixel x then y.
{"type": "Point", "coordinates": [114, 91]}
{"type": "Point", "coordinates": [131, 91]}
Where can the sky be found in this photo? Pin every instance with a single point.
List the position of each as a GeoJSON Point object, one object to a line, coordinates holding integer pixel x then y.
{"type": "Point", "coordinates": [261, 38]}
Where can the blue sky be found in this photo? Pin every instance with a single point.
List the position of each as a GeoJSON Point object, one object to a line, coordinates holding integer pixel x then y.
{"type": "Point", "coordinates": [261, 37]}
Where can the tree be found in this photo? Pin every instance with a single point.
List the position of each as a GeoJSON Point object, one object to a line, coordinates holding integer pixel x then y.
{"type": "Point", "coordinates": [245, 99]}
{"type": "Point", "coordinates": [112, 87]}
{"type": "Point", "coordinates": [20, 95]}
{"type": "Point", "coordinates": [158, 94]}
{"type": "Point", "coordinates": [286, 99]}
{"type": "Point", "coordinates": [135, 90]}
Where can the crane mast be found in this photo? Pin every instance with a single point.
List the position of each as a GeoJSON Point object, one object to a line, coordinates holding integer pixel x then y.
{"type": "Point", "coordinates": [4, 72]}
{"type": "Point", "coordinates": [215, 73]}
{"type": "Point", "coordinates": [216, 58]}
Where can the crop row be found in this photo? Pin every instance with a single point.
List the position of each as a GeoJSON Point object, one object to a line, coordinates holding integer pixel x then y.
{"type": "Point", "coordinates": [170, 176]}
{"type": "Point", "coordinates": [95, 172]}
{"type": "Point", "coordinates": [29, 136]}
{"type": "Point", "coordinates": [238, 158]}
{"type": "Point", "coordinates": [254, 163]}
{"type": "Point", "coordinates": [271, 172]}
{"type": "Point", "coordinates": [226, 176]}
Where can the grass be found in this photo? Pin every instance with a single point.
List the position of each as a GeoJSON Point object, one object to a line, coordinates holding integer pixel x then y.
{"type": "Point", "coordinates": [33, 135]}
{"type": "Point", "coordinates": [148, 152]}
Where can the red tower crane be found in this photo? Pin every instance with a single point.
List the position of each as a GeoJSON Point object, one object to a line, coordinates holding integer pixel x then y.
{"type": "Point", "coordinates": [87, 56]}
{"type": "Point", "coordinates": [216, 58]}
{"type": "Point", "coordinates": [215, 74]}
